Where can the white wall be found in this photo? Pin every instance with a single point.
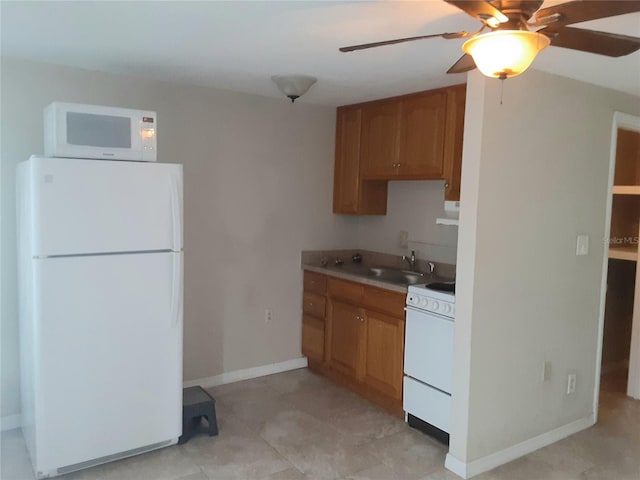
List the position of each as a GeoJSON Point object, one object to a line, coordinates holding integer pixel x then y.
{"type": "Point", "coordinates": [535, 175]}
{"type": "Point", "coordinates": [258, 190]}
{"type": "Point", "coordinates": [413, 207]}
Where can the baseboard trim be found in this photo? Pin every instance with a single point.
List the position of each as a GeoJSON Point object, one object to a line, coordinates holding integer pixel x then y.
{"type": "Point", "coordinates": [248, 373]}
{"type": "Point", "coordinates": [484, 464]}
{"type": "Point", "coordinates": [456, 466]}
{"type": "Point", "coordinates": [10, 422]}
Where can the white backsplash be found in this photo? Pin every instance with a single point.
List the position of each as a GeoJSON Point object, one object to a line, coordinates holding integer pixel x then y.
{"type": "Point", "coordinates": [413, 206]}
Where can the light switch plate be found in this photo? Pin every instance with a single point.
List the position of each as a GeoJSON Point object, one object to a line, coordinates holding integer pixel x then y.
{"type": "Point", "coordinates": [582, 245]}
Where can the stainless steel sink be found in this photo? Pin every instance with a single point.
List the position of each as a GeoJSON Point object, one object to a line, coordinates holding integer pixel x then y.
{"type": "Point", "coordinates": [396, 275]}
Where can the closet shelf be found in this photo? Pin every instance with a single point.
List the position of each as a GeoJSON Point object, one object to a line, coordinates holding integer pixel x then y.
{"type": "Point", "coordinates": [624, 253]}
{"type": "Point", "coordinates": [626, 189]}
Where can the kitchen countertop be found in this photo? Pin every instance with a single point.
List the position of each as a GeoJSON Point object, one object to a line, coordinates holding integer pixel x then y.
{"type": "Point", "coordinates": [359, 273]}
{"type": "Point", "coordinates": [325, 262]}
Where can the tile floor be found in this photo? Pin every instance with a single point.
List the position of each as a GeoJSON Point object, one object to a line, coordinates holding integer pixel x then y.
{"type": "Point", "coordinates": [296, 425]}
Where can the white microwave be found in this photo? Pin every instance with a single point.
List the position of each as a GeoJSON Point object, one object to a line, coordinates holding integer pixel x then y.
{"type": "Point", "coordinates": [75, 130]}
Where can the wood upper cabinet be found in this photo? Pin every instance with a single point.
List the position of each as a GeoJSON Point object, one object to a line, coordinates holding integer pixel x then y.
{"type": "Point", "coordinates": [454, 134]}
{"type": "Point", "coordinates": [412, 137]}
{"type": "Point", "coordinates": [380, 139]}
{"type": "Point", "coordinates": [350, 194]}
{"type": "Point", "coordinates": [346, 335]}
{"type": "Point", "coordinates": [421, 134]}
{"type": "Point", "coordinates": [346, 176]}
{"type": "Point", "coordinates": [403, 137]}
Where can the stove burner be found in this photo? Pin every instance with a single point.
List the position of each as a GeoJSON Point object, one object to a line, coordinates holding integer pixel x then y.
{"type": "Point", "coordinates": [442, 286]}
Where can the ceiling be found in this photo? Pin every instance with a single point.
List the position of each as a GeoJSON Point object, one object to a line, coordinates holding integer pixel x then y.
{"type": "Point", "coordinates": [239, 45]}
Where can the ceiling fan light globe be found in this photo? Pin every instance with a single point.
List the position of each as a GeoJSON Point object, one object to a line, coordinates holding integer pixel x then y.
{"type": "Point", "coordinates": [505, 53]}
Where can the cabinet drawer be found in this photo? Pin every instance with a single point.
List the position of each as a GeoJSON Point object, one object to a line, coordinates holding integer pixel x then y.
{"type": "Point", "coordinates": [313, 304]}
{"type": "Point", "coordinates": [313, 338]}
{"type": "Point", "coordinates": [385, 301]}
{"type": "Point", "coordinates": [342, 289]}
{"type": "Point", "coordinates": [315, 283]}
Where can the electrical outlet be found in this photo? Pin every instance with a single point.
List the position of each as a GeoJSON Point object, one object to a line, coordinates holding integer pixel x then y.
{"type": "Point", "coordinates": [571, 383]}
{"type": "Point", "coordinates": [267, 315]}
{"type": "Point", "coordinates": [403, 239]}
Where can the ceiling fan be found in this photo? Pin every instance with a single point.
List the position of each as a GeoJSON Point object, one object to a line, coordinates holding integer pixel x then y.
{"type": "Point", "coordinates": [519, 29]}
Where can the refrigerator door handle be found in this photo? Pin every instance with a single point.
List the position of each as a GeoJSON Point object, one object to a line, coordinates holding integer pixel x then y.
{"type": "Point", "coordinates": [176, 290]}
{"type": "Point", "coordinates": [176, 213]}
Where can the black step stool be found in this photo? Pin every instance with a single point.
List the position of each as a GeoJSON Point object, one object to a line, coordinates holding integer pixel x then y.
{"type": "Point", "coordinates": [197, 403]}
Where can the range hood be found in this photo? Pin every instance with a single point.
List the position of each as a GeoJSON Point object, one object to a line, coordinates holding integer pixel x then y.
{"type": "Point", "coordinates": [451, 214]}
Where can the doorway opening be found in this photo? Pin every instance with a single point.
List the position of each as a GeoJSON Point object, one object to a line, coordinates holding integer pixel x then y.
{"type": "Point", "coordinates": [620, 347]}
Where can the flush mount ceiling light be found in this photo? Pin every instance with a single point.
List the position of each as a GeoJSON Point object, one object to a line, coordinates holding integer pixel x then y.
{"type": "Point", "coordinates": [505, 53]}
{"type": "Point", "coordinates": [293, 86]}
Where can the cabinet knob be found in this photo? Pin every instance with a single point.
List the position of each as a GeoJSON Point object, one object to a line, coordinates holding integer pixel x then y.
{"type": "Point", "coordinates": [311, 304]}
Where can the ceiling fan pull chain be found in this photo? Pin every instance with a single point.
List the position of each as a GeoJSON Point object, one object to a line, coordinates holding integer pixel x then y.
{"type": "Point", "coordinates": [501, 89]}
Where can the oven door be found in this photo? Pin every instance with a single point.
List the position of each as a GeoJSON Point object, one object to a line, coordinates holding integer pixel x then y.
{"type": "Point", "coordinates": [428, 348]}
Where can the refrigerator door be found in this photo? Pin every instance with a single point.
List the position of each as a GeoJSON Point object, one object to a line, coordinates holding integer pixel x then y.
{"type": "Point", "coordinates": [108, 356]}
{"type": "Point", "coordinates": [99, 206]}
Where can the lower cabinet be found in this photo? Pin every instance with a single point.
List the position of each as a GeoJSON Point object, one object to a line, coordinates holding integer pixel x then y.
{"type": "Point", "coordinates": [313, 316]}
{"type": "Point", "coordinates": [384, 346]}
{"type": "Point", "coordinates": [347, 331]}
{"type": "Point", "coordinates": [313, 338]}
{"type": "Point", "coordinates": [360, 343]}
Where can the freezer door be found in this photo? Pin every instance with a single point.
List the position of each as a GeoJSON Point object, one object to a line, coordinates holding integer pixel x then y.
{"type": "Point", "coordinates": [96, 206]}
{"type": "Point", "coordinates": [108, 355]}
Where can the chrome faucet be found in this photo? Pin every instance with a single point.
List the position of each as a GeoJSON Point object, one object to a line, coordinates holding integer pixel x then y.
{"type": "Point", "coordinates": [411, 260]}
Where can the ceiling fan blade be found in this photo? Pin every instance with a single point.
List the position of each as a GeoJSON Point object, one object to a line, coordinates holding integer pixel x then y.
{"type": "Point", "coordinates": [402, 40]}
{"type": "Point", "coordinates": [583, 11]}
{"type": "Point", "coordinates": [464, 64]}
{"type": "Point", "coordinates": [602, 43]}
{"type": "Point", "coordinates": [481, 10]}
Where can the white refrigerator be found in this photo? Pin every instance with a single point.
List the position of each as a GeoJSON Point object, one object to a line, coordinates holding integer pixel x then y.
{"type": "Point", "coordinates": [100, 286]}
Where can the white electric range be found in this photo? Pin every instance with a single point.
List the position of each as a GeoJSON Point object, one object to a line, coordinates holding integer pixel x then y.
{"type": "Point", "coordinates": [428, 357]}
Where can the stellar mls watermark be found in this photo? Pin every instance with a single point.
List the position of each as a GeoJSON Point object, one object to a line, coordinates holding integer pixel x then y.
{"type": "Point", "coordinates": [620, 241]}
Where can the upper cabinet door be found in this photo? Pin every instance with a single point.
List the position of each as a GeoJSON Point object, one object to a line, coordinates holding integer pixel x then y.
{"type": "Point", "coordinates": [380, 139]}
{"type": "Point", "coordinates": [422, 129]}
{"type": "Point", "coordinates": [411, 137]}
{"type": "Point", "coordinates": [346, 180]}
{"type": "Point", "coordinates": [454, 134]}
